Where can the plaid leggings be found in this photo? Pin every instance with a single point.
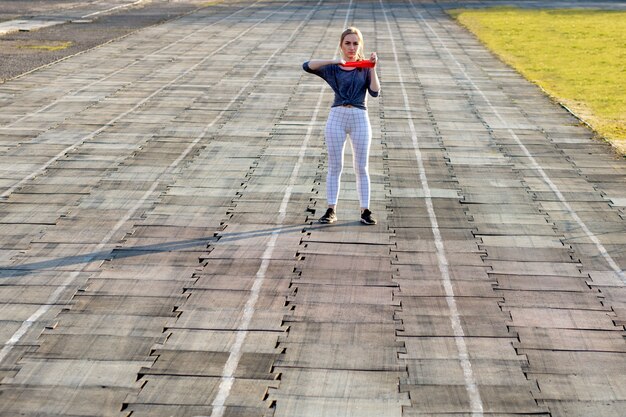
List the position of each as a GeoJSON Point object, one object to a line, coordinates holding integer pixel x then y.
{"type": "Point", "coordinates": [351, 121]}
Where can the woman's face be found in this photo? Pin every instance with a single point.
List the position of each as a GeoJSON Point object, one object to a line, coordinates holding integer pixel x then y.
{"type": "Point", "coordinates": [350, 46]}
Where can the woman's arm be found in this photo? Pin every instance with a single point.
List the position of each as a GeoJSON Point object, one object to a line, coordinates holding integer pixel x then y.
{"type": "Point", "coordinates": [374, 81]}
{"type": "Point", "coordinates": [316, 64]}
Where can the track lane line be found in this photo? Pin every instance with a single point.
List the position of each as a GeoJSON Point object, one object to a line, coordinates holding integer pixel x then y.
{"type": "Point", "coordinates": [228, 378]}
{"type": "Point", "coordinates": [471, 386]}
{"type": "Point", "coordinates": [121, 6]}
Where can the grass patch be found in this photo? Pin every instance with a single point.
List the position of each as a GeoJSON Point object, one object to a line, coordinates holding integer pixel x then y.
{"type": "Point", "coordinates": [48, 47]}
{"type": "Point", "coordinates": [577, 56]}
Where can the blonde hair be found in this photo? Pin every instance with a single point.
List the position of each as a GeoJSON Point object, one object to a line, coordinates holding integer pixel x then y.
{"type": "Point", "coordinates": [354, 31]}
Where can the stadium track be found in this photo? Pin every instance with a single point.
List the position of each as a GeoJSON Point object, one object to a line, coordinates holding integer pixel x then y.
{"type": "Point", "coordinates": [160, 254]}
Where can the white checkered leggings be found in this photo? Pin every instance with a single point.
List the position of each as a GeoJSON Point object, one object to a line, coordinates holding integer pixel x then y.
{"type": "Point", "coordinates": [354, 122]}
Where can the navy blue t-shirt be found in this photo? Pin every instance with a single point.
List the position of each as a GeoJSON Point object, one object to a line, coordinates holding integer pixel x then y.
{"type": "Point", "coordinates": [349, 85]}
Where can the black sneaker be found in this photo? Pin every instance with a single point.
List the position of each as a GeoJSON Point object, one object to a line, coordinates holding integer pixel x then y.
{"type": "Point", "coordinates": [329, 217]}
{"type": "Point", "coordinates": [366, 217]}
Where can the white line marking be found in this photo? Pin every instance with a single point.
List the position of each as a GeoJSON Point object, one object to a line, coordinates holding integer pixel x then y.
{"type": "Point", "coordinates": [459, 336]}
{"type": "Point", "coordinates": [86, 87]}
{"type": "Point", "coordinates": [39, 171]}
{"type": "Point", "coordinates": [54, 297]}
{"type": "Point", "coordinates": [616, 268]}
{"type": "Point", "coordinates": [112, 8]}
{"type": "Point", "coordinates": [228, 378]}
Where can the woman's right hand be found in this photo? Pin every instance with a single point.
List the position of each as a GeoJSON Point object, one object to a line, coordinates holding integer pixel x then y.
{"type": "Point", "coordinates": [340, 61]}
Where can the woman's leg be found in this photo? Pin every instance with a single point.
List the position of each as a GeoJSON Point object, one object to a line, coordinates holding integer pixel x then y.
{"type": "Point", "coordinates": [361, 138]}
{"type": "Point", "coordinates": [335, 142]}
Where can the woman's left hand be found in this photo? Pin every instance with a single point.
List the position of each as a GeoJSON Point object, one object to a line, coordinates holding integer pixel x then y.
{"type": "Point", "coordinates": [374, 58]}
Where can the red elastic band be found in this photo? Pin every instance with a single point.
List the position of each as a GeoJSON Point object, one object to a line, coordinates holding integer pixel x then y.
{"type": "Point", "coordinates": [360, 64]}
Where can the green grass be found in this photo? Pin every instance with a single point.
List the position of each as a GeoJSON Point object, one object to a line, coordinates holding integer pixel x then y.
{"type": "Point", "coordinates": [577, 56]}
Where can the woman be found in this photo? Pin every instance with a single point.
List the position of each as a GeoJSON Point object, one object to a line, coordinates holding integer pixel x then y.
{"type": "Point", "coordinates": [348, 116]}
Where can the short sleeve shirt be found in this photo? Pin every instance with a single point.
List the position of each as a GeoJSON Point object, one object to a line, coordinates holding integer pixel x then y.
{"type": "Point", "coordinates": [349, 86]}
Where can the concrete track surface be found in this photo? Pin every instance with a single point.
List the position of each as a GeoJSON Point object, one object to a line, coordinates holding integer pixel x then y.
{"type": "Point", "coordinates": [160, 254]}
{"type": "Point", "coordinates": [38, 33]}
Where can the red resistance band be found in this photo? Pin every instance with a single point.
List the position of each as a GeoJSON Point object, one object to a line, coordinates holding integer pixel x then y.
{"type": "Point", "coordinates": [360, 64]}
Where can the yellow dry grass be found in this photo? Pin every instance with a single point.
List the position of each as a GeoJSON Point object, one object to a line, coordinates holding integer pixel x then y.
{"type": "Point", "coordinates": [49, 47]}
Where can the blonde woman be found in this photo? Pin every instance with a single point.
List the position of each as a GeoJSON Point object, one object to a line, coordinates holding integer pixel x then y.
{"type": "Point", "coordinates": [348, 116]}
